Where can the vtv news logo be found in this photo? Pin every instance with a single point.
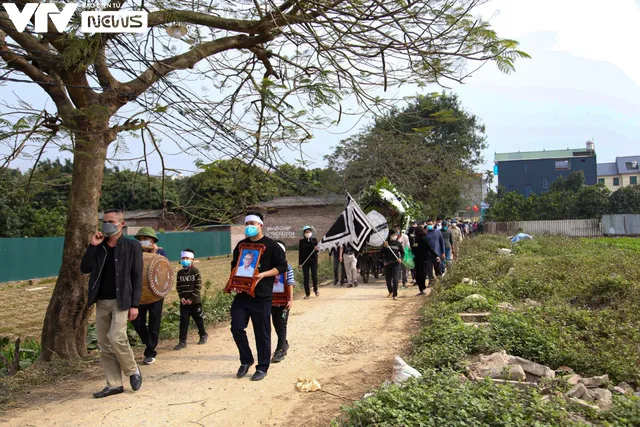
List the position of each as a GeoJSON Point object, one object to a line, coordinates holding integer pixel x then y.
{"type": "Point", "coordinates": [98, 21]}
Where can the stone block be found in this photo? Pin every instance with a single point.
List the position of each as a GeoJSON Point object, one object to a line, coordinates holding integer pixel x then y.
{"type": "Point", "coordinates": [504, 372]}
{"type": "Point", "coordinates": [532, 367]}
{"type": "Point", "coordinates": [626, 387]}
{"type": "Point", "coordinates": [601, 394]}
{"type": "Point", "coordinates": [573, 379]}
{"type": "Point", "coordinates": [595, 382]}
{"type": "Point", "coordinates": [577, 391]}
{"type": "Point", "coordinates": [474, 317]}
{"type": "Point", "coordinates": [476, 297]}
{"type": "Point", "coordinates": [585, 404]}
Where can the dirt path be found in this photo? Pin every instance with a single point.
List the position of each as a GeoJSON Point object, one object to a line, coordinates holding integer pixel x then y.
{"type": "Point", "coordinates": [346, 339]}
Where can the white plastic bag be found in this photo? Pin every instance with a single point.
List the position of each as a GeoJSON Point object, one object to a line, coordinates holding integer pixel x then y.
{"type": "Point", "coordinates": [402, 371]}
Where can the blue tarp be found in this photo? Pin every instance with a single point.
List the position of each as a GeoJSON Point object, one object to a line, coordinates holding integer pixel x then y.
{"type": "Point", "coordinates": [520, 236]}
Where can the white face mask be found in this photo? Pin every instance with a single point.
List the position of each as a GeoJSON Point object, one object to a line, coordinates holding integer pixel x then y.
{"type": "Point", "coordinates": [307, 235]}
{"type": "Point", "coordinates": [145, 243]}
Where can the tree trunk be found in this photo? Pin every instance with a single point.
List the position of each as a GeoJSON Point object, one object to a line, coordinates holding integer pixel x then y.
{"type": "Point", "coordinates": [65, 324]}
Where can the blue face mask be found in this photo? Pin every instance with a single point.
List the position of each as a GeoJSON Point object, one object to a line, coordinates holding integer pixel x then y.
{"type": "Point", "coordinates": [185, 263]}
{"type": "Point", "coordinates": [251, 230]}
{"type": "Point", "coordinates": [429, 227]}
{"type": "Point", "coordinates": [444, 227]}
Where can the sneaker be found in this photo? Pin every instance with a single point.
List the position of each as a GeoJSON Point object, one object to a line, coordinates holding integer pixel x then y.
{"type": "Point", "coordinates": [335, 284]}
{"type": "Point", "coordinates": [395, 298]}
{"type": "Point", "coordinates": [203, 339]}
{"type": "Point", "coordinates": [390, 295]}
{"type": "Point", "coordinates": [421, 294]}
{"type": "Point", "coordinates": [180, 346]}
{"type": "Point", "coordinates": [286, 347]}
{"type": "Point", "coordinates": [148, 360]}
{"type": "Point", "coordinates": [350, 285]}
{"type": "Point", "coordinates": [278, 356]}
{"type": "Point", "coordinates": [306, 297]}
{"type": "Point", "coordinates": [317, 293]}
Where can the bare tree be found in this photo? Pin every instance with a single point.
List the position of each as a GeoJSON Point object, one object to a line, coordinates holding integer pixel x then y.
{"type": "Point", "coordinates": [277, 70]}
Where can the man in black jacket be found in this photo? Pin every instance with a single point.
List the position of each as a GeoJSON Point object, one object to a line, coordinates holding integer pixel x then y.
{"type": "Point", "coordinates": [115, 264]}
{"type": "Point", "coordinates": [392, 253]}
{"type": "Point", "coordinates": [244, 307]}
{"type": "Point", "coordinates": [308, 260]}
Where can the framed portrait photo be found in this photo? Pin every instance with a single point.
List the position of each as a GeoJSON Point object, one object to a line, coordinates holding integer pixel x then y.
{"type": "Point", "coordinates": [280, 294]}
{"type": "Point", "coordinates": [243, 275]}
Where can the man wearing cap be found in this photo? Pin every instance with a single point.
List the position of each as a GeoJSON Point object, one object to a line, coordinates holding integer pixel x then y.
{"type": "Point", "coordinates": [308, 260]}
{"type": "Point", "coordinates": [149, 333]}
{"type": "Point", "coordinates": [244, 307]}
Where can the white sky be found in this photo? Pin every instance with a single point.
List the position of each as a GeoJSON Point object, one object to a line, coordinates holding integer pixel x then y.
{"type": "Point", "coordinates": [582, 82]}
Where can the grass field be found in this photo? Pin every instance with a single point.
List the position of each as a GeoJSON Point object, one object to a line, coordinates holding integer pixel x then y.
{"type": "Point", "coordinates": [584, 315]}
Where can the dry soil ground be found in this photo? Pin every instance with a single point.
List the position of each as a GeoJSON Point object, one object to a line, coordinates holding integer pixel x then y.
{"type": "Point", "coordinates": [24, 305]}
{"type": "Point", "coordinates": [346, 339]}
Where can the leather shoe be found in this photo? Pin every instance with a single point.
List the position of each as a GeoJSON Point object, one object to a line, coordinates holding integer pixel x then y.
{"type": "Point", "coordinates": [136, 380]}
{"type": "Point", "coordinates": [243, 370]}
{"type": "Point", "coordinates": [278, 356]}
{"type": "Point", "coordinates": [258, 376]}
{"type": "Point", "coordinates": [108, 392]}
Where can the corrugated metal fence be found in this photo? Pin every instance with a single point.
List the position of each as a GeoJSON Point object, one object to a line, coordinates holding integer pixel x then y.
{"type": "Point", "coordinates": [33, 258]}
{"type": "Point", "coordinates": [621, 225]}
{"type": "Point", "coordinates": [568, 227]}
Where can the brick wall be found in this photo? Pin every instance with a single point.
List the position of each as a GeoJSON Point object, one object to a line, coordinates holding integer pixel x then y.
{"type": "Point", "coordinates": [285, 223]}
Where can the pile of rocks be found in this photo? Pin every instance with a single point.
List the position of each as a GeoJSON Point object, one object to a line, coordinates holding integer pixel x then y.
{"type": "Point", "coordinates": [594, 392]}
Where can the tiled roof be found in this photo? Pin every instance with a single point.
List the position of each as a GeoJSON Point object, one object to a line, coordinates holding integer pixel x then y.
{"type": "Point", "coordinates": [138, 214]}
{"type": "Point", "coordinates": [623, 162]}
{"type": "Point", "coordinates": [622, 165]}
{"type": "Point", "coordinates": [546, 154]}
{"type": "Point", "coordinates": [607, 169]}
{"type": "Point", "coordinates": [290, 202]}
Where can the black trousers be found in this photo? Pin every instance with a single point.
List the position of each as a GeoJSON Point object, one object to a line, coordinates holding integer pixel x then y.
{"type": "Point", "coordinates": [424, 269]}
{"type": "Point", "coordinates": [310, 267]}
{"type": "Point", "coordinates": [244, 308]}
{"type": "Point", "coordinates": [437, 268]}
{"type": "Point", "coordinates": [391, 275]}
{"type": "Point", "coordinates": [280, 317]}
{"type": "Point", "coordinates": [149, 333]}
{"type": "Point", "coordinates": [337, 266]}
{"type": "Point", "coordinates": [195, 312]}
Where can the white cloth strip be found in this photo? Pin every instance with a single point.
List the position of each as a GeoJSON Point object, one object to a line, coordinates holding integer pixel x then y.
{"type": "Point", "coordinates": [185, 254]}
{"type": "Point", "coordinates": [255, 218]}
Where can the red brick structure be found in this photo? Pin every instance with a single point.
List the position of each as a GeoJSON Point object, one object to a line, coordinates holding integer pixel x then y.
{"type": "Point", "coordinates": [284, 217]}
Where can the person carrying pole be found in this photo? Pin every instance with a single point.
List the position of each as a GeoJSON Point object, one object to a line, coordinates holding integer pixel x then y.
{"type": "Point", "coordinates": [308, 260]}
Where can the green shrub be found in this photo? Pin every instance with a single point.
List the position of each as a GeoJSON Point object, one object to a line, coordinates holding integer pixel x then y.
{"type": "Point", "coordinates": [587, 319]}
{"type": "Point", "coordinates": [28, 353]}
{"type": "Point", "coordinates": [442, 399]}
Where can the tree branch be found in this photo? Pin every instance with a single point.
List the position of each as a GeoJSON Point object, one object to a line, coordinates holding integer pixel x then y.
{"type": "Point", "coordinates": [170, 16]}
{"type": "Point", "coordinates": [134, 88]}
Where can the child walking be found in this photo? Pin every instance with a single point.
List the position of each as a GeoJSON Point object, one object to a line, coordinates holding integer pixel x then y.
{"type": "Point", "coordinates": [188, 285]}
{"type": "Point", "coordinates": [280, 314]}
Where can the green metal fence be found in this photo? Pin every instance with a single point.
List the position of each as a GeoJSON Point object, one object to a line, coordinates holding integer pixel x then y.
{"type": "Point", "coordinates": [33, 258]}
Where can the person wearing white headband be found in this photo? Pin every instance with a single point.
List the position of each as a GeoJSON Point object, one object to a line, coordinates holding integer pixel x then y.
{"type": "Point", "coordinates": [188, 285]}
{"type": "Point", "coordinates": [271, 263]}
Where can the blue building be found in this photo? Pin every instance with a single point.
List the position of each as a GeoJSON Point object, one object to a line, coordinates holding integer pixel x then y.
{"type": "Point", "coordinates": [533, 172]}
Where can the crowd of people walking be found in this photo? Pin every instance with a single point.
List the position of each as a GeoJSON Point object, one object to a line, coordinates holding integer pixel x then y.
{"type": "Point", "coordinates": [116, 269]}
